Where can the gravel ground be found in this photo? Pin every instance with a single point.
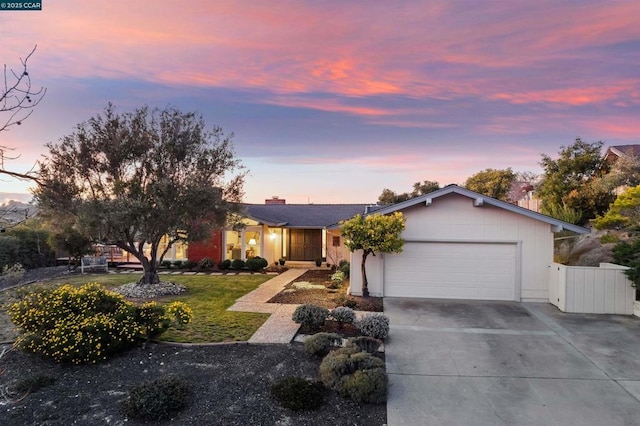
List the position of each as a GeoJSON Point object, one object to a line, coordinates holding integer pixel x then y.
{"type": "Point", "coordinates": [230, 385]}
{"type": "Point", "coordinates": [34, 275]}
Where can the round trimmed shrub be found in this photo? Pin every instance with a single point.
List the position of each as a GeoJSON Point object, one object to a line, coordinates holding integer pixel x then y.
{"type": "Point", "coordinates": [256, 264]}
{"type": "Point", "coordinates": [237, 264]}
{"type": "Point", "coordinates": [321, 343]}
{"type": "Point", "coordinates": [310, 315]}
{"type": "Point", "coordinates": [374, 325]}
{"type": "Point", "coordinates": [368, 386]}
{"type": "Point", "coordinates": [365, 343]}
{"type": "Point", "coordinates": [343, 315]}
{"type": "Point", "coordinates": [205, 263]}
{"type": "Point", "coordinates": [357, 375]}
{"type": "Point", "coordinates": [157, 399]}
{"type": "Point", "coordinates": [298, 393]}
{"type": "Point", "coordinates": [225, 264]}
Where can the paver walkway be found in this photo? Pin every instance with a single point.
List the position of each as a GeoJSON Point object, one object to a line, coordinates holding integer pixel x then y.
{"type": "Point", "coordinates": [279, 328]}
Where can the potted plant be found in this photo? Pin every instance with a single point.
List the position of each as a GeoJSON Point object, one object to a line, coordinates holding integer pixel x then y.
{"type": "Point", "coordinates": [319, 261]}
{"type": "Point", "coordinates": [281, 261]}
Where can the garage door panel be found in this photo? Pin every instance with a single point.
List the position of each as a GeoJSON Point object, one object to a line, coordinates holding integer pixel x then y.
{"type": "Point", "coordinates": [452, 270]}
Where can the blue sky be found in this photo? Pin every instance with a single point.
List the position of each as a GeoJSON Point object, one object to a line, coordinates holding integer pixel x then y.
{"type": "Point", "coordinates": [332, 101]}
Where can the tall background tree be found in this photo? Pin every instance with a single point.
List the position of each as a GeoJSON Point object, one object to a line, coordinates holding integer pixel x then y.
{"type": "Point", "coordinates": [574, 181]}
{"type": "Point", "coordinates": [419, 188]}
{"type": "Point", "coordinates": [624, 217]}
{"type": "Point", "coordinates": [18, 99]}
{"type": "Point", "coordinates": [373, 234]}
{"type": "Point", "coordinates": [137, 178]}
{"type": "Point", "coordinates": [493, 183]}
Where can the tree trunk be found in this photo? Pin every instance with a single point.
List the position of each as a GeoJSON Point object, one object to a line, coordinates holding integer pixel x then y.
{"type": "Point", "coordinates": [365, 283]}
{"type": "Point", "coordinates": [150, 275]}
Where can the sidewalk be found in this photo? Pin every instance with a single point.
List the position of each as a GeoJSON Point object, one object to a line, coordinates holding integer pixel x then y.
{"type": "Point", "coordinates": [279, 328]}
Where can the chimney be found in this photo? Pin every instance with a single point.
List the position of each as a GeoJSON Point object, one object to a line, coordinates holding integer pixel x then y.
{"type": "Point", "coordinates": [275, 200]}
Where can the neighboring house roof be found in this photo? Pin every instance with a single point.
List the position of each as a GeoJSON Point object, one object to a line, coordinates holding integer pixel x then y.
{"type": "Point", "coordinates": [621, 151]}
{"type": "Point", "coordinates": [480, 200]}
{"type": "Point", "coordinates": [304, 215]}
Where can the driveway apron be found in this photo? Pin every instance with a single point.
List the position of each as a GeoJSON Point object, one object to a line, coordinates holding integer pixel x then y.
{"type": "Point", "coordinates": [454, 362]}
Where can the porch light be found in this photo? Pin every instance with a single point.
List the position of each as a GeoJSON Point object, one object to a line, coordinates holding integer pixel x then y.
{"type": "Point", "coordinates": [272, 235]}
{"type": "Point", "coordinates": [252, 242]}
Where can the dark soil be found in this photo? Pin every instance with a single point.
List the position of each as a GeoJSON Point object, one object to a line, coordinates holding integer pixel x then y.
{"type": "Point", "coordinates": [229, 385]}
{"type": "Point", "coordinates": [327, 297]}
{"type": "Point", "coordinates": [347, 330]}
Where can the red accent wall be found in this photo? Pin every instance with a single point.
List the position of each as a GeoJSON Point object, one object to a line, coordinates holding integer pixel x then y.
{"type": "Point", "coordinates": [211, 248]}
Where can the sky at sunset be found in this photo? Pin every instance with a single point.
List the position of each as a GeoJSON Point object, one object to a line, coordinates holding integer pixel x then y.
{"type": "Point", "coordinates": [332, 101]}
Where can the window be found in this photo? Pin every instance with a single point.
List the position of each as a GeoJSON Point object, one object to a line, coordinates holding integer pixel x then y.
{"type": "Point", "coordinates": [336, 241]}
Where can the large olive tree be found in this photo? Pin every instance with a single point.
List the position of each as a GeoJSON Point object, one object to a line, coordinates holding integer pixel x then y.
{"type": "Point", "coordinates": [134, 178]}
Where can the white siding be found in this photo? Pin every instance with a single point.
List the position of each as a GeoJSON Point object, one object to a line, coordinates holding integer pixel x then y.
{"type": "Point", "coordinates": [453, 218]}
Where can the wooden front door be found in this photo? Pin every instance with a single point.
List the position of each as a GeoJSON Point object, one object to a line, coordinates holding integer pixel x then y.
{"type": "Point", "coordinates": [305, 244]}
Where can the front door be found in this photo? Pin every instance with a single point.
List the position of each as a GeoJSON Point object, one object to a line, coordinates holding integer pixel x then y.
{"type": "Point", "coordinates": [305, 244]}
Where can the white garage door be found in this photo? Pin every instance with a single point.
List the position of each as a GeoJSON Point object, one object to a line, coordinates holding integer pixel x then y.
{"type": "Point", "coordinates": [484, 271]}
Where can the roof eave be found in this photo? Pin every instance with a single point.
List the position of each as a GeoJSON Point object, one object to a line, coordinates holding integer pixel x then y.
{"type": "Point", "coordinates": [479, 199]}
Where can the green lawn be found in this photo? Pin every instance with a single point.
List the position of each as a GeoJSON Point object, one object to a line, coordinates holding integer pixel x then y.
{"type": "Point", "coordinates": [208, 296]}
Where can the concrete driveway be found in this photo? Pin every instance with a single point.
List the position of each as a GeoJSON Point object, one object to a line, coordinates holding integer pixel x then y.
{"type": "Point", "coordinates": [505, 363]}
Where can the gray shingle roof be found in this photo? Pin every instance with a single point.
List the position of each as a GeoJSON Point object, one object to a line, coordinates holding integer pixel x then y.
{"type": "Point", "coordinates": [303, 215]}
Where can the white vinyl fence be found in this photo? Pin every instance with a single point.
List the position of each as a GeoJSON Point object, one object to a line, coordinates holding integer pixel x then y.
{"type": "Point", "coordinates": [592, 290]}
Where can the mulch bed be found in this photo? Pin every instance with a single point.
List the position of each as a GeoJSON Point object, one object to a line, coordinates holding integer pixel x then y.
{"type": "Point", "coordinates": [327, 298]}
{"type": "Point", "coordinates": [347, 330]}
{"type": "Point", "coordinates": [229, 385]}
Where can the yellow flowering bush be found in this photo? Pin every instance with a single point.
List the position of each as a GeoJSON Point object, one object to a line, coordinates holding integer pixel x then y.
{"type": "Point", "coordinates": [182, 313]}
{"type": "Point", "coordinates": [87, 324]}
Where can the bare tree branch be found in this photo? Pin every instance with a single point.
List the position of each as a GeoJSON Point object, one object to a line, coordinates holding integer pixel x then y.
{"type": "Point", "coordinates": [18, 98]}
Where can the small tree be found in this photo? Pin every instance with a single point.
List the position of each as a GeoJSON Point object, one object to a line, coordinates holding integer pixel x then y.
{"type": "Point", "coordinates": [373, 234]}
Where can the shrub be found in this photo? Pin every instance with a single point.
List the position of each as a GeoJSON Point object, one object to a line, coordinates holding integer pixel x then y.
{"type": "Point", "coordinates": [32, 383]}
{"type": "Point", "coordinates": [189, 264]}
{"type": "Point", "coordinates": [178, 264]}
{"type": "Point", "coordinates": [166, 264]}
{"type": "Point", "coordinates": [374, 325]}
{"type": "Point", "coordinates": [626, 253]}
{"type": "Point", "coordinates": [182, 313]}
{"type": "Point", "coordinates": [14, 272]}
{"type": "Point", "coordinates": [609, 238]}
{"type": "Point", "coordinates": [256, 264]}
{"type": "Point", "coordinates": [343, 315]}
{"type": "Point", "coordinates": [358, 375]}
{"type": "Point", "coordinates": [86, 324]}
{"type": "Point", "coordinates": [365, 386]}
{"type": "Point", "coordinates": [365, 343]}
{"type": "Point", "coordinates": [346, 301]}
{"type": "Point", "coordinates": [338, 277]}
{"type": "Point", "coordinates": [321, 343]}
{"type": "Point", "coordinates": [237, 264]}
{"type": "Point", "coordinates": [298, 393]}
{"type": "Point", "coordinates": [225, 264]}
{"type": "Point", "coordinates": [205, 263]}
{"type": "Point", "coordinates": [157, 399]}
{"type": "Point", "coordinates": [345, 268]}
{"type": "Point", "coordinates": [310, 315]}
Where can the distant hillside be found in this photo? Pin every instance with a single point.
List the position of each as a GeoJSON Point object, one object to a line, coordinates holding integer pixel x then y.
{"type": "Point", "coordinates": [16, 211]}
